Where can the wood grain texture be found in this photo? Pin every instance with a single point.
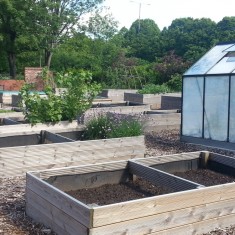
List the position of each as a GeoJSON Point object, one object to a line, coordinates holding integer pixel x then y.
{"type": "Point", "coordinates": [52, 216]}
{"type": "Point", "coordinates": [18, 160]}
{"type": "Point", "coordinates": [161, 178]}
{"type": "Point", "coordinates": [159, 204]}
{"type": "Point", "coordinates": [169, 220]}
{"type": "Point", "coordinates": [200, 227]}
{"type": "Point", "coordinates": [56, 198]}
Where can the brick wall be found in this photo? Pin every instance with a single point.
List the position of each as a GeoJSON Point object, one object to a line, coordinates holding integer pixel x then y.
{"type": "Point", "coordinates": [32, 75]}
{"type": "Point", "coordinates": [11, 85]}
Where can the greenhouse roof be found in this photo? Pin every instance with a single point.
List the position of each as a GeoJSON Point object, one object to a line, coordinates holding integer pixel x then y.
{"type": "Point", "coordinates": [219, 60]}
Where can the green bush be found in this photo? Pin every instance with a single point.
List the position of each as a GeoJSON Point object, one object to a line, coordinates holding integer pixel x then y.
{"type": "Point", "coordinates": [154, 89]}
{"type": "Point", "coordinates": [66, 106]}
{"type": "Point", "coordinates": [104, 127]}
{"type": "Point", "coordinates": [175, 83]}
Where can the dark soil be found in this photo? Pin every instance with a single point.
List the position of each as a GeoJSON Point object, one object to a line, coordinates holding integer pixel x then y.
{"type": "Point", "coordinates": [114, 193]}
{"type": "Point", "coordinates": [206, 177]}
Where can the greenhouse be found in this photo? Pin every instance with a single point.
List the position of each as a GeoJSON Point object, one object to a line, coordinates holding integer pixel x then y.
{"type": "Point", "coordinates": [208, 103]}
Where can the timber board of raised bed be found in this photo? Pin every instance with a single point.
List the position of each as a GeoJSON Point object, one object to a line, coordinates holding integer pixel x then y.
{"type": "Point", "coordinates": [191, 209]}
{"type": "Point", "coordinates": [16, 161]}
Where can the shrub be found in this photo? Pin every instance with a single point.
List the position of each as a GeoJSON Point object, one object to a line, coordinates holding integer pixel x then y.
{"type": "Point", "coordinates": [175, 84]}
{"type": "Point", "coordinates": [115, 126]}
{"type": "Point", "coordinates": [66, 106]}
{"type": "Point", "coordinates": [154, 89]}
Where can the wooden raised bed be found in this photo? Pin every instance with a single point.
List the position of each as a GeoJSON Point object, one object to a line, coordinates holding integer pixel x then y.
{"type": "Point", "coordinates": [191, 209]}
{"type": "Point", "coordinates": [16, 161]}
{"type": "Point", "coordinates": [144, 99]}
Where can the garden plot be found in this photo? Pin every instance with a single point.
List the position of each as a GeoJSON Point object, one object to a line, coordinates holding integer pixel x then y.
{"type": "Point", "coordinates": [185, 207]}
{"type": "Point", "coordinates": [64, 152]}
{"type": "Point", "coordinates": [26, 134]}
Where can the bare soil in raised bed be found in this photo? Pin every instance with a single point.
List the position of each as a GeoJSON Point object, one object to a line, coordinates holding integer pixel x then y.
{"type": "Point", "coordinates": [141, 188]}
{"type": "Point", "coordinates": [206, 177]}
{"type": "Point", "coordinates": [13, 218]}
{"type": "Point", "coordinates": [114, 193]}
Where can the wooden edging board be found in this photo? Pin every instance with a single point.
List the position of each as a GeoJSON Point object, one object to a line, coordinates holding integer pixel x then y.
{"type": "Point", "coordinates": [16, 161]}
{"type": "Point", "coordinates": [182, 211]}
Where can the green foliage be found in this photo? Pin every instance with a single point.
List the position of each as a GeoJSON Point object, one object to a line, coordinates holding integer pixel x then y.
{"type": "Point", "coordinates": [143, 40]}
{"type": "Point", "coordinates": [127, 73]}
{"type": "Point", "coordinates": [125, 128]}
{"type": "Point", "coordinates": [97, 128]}
{"type": "Point", "coordinates": [6, 111]}
{"type": "Point", "coordinates": [103, 127]}
{"type": "Point", "coordinates": [226, 29]}
{"type": "Point", "coordinates": [66, 106]}
{"type": "Point", "coordinates": [154, 89]}
{"type": "Point", "coordinates": [184, 33]}
{"type": "Point", "coordinates": [175, 83]}
{"type": "Point", "coordinates": [169, 65]}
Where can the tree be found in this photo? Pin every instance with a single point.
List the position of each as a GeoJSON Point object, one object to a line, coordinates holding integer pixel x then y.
{"type": "Point", "coordinates": [101, 26]}
{"type": "Point", "coordinates": [83, 52]}
{"type": "Point", "coordinates": [188, 36]}
{"type": "Point", "coordinates": [143, 39]}
{"type": "Point", "coordinates": [14, 21]}
{"type": "Point", "coordinates": [226, 29]}
{"type": "Point", "coordinates": [168, 66]}
{"type": "Point", "coordinates": [58, 19]}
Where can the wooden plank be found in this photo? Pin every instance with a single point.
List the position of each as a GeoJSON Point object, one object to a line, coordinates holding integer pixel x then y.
{"type": "Point", "coordinates": [70, 147]}
{"type": "Point", "coordinates": [88, 168]}
{"type": "Point", "coordinates": [27, 129]}
{"type": "Point", "coordinates": [55, 138]}
{"type": "Point", "coordinates": [162, 178]}
{"type": "Point", "coordinates": [151, 161]}
{"type": "Point", "coordinates": [21, 171]}
{"type": "Point", "coordinates": [89, 180]}
{"type": "Point", "coordinates": [168, 220]}
{"type": "Point", "coordinates": [222, 159]}
{"type": "Point", "coordinates": [9, 121]}
{"type": "Point", "coordinates": [200, 227]}
{"type": "Point", "coordinates": [58, 199]}
{"type": "Point", "coordinates": [40, 217]}
{"type": "Point", "coordinates": [160, 204]}
{"type": "Point", "coordinates": [50, 215]}
{"type": "Point", "coordinates": [43, 158]}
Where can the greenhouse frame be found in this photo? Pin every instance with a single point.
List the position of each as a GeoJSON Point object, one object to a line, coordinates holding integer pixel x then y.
{"type": "Point", "coordinates": [208, 99]}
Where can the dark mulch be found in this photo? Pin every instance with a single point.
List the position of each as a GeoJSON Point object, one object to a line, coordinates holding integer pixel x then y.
{"type": "Point", "coordinates": [114, 193]}
{"type": "Point", "coordinates": [206, 177]}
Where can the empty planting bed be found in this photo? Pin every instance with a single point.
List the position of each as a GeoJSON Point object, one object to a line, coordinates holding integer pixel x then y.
{"type": "Point", "coordinates": [139, 196]}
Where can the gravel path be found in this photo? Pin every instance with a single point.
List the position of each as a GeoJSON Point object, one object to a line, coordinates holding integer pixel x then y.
{"type": "Point", "coordinates": [13, 219]}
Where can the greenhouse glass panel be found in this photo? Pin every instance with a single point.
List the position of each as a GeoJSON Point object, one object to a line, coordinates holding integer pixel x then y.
{"type": "Point", "coordinates": [232, 112]}
{"type": "Point", "coordinates": [231, 48]}
{"type": "Point", "coordinates": [224, 66]}
{"type": "Point", "coordinates": [216, 107]}
{"type": "Point", "coordinates": [208, 60]}
{"type": "Point", "coordinates": [192, 106]}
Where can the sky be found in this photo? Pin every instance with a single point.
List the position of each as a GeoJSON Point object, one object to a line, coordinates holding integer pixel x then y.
{"type": "Point", "coordinates": [163, 12]}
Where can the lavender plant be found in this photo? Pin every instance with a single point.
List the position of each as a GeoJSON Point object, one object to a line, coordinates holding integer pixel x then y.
{"type": "Point", "coordinates": [103, 126]}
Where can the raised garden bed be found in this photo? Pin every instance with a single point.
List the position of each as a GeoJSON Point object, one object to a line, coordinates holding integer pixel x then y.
{"type": "Point", "coordinates": [16, 161]}
{"type": "Point", "coordinates": [26, 134]}
{"type": "Point", "coordinates": [191, 209]}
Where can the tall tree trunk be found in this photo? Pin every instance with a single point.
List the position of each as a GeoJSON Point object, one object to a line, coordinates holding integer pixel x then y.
{"type": "Point", "coordinates": [12, 64]}
{"type": "Point", "coordinates": [48, 56]}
